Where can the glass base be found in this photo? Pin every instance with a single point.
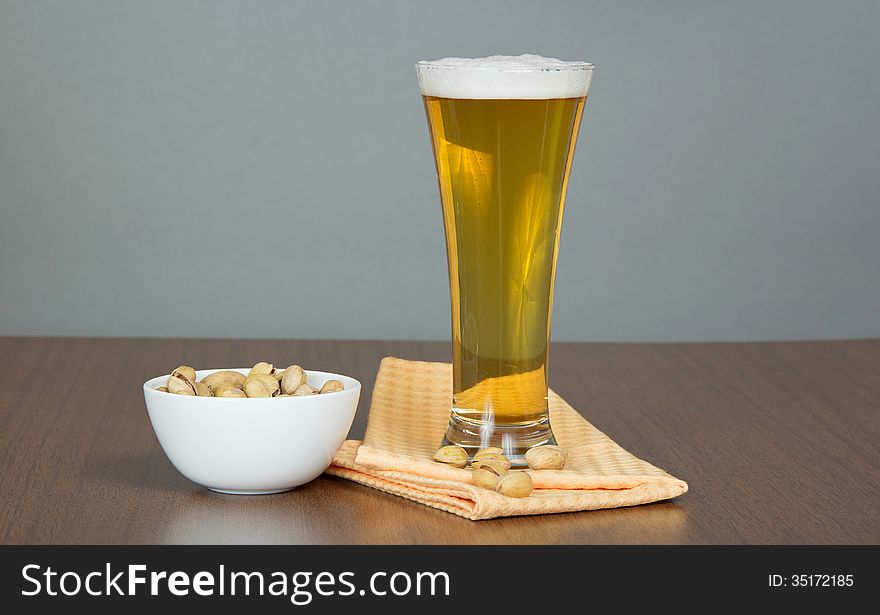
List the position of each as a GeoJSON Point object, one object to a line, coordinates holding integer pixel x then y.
{"type": "Point", "coordinates": [514, 440]}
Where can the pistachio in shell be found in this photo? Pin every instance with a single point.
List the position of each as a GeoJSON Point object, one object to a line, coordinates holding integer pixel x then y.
{"type": "Point", "coordinates": [499, 464]}
{"type": "Point", "coordinates": [548, 457]}
{"type": "Point", "coordinates": [202, 389]}
{"type": "Point", "coordinates": [515, 485]}
{"type": "Point", "coordinates": [262, 369]}
{"type": "Point", "coordinates": [486, 477]}
{"type": "Point", "coordinates": [452, 455]}
{"type": "Point", "coordinates": [180, 386]}
{"type": "Point", "coordinates": [224, 391]}
{"type": "Point", "coordinates": [256, 388]}
{"type": "Point", "coordinates": [304, 389]}
{"type": "Point", "coordinates": [332, 386]}
{"type": "Point", "coordinates": [294, 376]}
{"type": "Point", "coordinates": [224, 378]}
{"type": "Point", "coordinates": [268, 381]}
{"type": "Point", "coordinates": [185, 372]}
{"type": "Point", "coordinates": [489, 451]}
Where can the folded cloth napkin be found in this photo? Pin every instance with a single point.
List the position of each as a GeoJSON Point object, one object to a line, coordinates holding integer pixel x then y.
{"type": "Point", "coordinates": [408, 417]}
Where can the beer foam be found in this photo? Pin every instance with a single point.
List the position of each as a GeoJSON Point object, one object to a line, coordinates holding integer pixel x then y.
{"type": "Point", "coordinates": [504, 77]}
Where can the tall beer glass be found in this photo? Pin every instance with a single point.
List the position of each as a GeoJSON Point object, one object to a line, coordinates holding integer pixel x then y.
{"type": "Point", "coordinates": [503, 131]}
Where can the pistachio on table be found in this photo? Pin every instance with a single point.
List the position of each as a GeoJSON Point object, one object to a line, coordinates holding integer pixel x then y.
{"type": "Point", "coordinates": [515, 485]}
{"type": "Point", "coordinates": [499, 464]}
{"type": "Point", "coordinates": [452, 455]}
{"type": "Point", "coordinates": [489, 451]}
{"type": "Point", "coordinates": [547, 457]}
{"type": "Point", "coordinates": [486, 477]}
{"type": "Point", "coordinates": [491, 468]}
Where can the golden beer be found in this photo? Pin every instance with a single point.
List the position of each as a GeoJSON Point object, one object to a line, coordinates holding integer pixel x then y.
{"type": "Point", "coordinates": [503, 161]}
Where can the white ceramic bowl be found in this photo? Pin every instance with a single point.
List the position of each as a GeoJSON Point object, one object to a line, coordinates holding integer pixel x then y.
{"type": "Point", "coordinates": [252, 446]}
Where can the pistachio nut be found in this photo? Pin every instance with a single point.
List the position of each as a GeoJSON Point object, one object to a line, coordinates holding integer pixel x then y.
{"type": "Point", "coordinates": [268, 381]}
{"type": "Point", "coordinates": [546, 457]}
{"type": "Point", "coordinates": [452, 455]}
{"type": "Point", "coordinates": [262, 369]}
{"type": "Point", "coordinates": [180, 386]}
{"type": "Point", "coordinates": [487, 456]}
{"type": "Point", "coordinates": [488, 451]}
{"type": "Point", "coordinates": [224, 378]}
{"type": "Point", "coordinates": [515, 485]}
{"type": "Point", "coordinates": [499, 464]}
{"type": "Point", "coordinates": [256, 388]}
{"type": "Point", "coordinates": [304, 389]}
{"type": "Point", "coordinates": [332, 386]}
{"type": "Point", "coordinates": [162, 389]}
{"type": "Point", "coordinates": [293, 377]}
{"type": "Point", "coordinates": [279, 374]}
{"type": "Point", "coordinates": [202, 389]}
{"type": "Point", "coordinates": [486, 477]}
{"type": "Point", "coordinates": [226, 391]}
{"type": "Point", "coordinates": [185, 372]}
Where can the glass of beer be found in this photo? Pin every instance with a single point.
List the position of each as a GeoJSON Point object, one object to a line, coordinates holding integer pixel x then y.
{"type": "Point", "coordinates": [503, 131]}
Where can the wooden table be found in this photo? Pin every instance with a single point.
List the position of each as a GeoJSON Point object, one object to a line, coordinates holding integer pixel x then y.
{"type": "Point", "coordinates": [778, 441]}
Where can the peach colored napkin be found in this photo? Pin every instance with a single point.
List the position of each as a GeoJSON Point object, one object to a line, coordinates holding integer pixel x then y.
{"type": "Point", "coordinates": [408, 417]}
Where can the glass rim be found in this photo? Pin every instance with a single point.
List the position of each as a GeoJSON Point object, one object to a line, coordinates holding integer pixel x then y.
{"type": "Point", "coordinates": [573, 66]}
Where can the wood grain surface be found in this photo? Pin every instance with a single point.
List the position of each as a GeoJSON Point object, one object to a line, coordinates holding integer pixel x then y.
{"type": "Point", "coordinates": [778, 442]}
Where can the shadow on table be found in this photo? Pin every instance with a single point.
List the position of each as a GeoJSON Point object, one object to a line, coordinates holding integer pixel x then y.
{"type": "Point", "coordinates": [146, 470]}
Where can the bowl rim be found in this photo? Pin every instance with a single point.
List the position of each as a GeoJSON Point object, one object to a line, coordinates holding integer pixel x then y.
{"type": "Point", "coordinates": [151, 387]}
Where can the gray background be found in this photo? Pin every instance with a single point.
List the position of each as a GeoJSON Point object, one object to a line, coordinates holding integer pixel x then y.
{"type": "Point", "coordinates": [263, 168]}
